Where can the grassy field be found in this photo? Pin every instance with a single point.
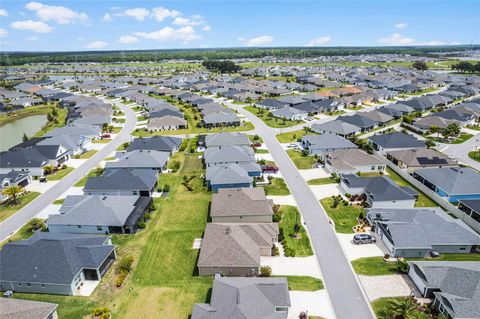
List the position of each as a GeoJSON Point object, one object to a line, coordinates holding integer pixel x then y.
{"type": "Point", "coordinates": [163, 283]}
{"type": "Point", "coordinates": [344, 217]}
{"type": "Point", "coordinates": [423, 200]}
{"type": "Point", "coordinates": [86, 155]}
{"type": "Point", "coordinates": [301, 161]}
{"type": "Point", "coordinates": [7, 209]}
{"type": "Point", "coordinates": [299, 243]}
{"type": "Point", "coordinates": [61, 173]}
{"type": "Point", "coordinates": [321, 181]}
{"type": "Point", "coordinates": [380, 307]}
{"type": "Point", "coordinates": [376, 266]}
{"type": "Point", "coordinates": [277, 188]}
{"type": "Point", "coordinates": [474, 155]}
{"type": "Point", "coordinates": [59, 121]}
{"type": "Point", "coordinates": [270, 120]}
{"type": "Point", "coordinates": [290, 137]}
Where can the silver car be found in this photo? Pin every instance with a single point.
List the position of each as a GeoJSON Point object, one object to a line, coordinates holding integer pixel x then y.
{"type": "Point", "coordinates": [364, 239]}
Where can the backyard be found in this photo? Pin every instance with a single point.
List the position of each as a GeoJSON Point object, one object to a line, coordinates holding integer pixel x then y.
{"type": "Point", "coordinates": [422, 201]}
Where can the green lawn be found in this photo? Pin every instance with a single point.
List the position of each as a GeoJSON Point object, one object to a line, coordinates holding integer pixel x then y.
{"type": "Point", "coordinates": [277, 187]}
{"type": "Point", "coordinates": [322, 181]}
{"type": "Point", "coordinates": [301, 161]}
{"type": "Point", "coordinates": [119, 120]}
{"type": "Point", "coordinates": [261, 151]}
{"type": "Point", "coordinates": [423, 200]}
{"type": "Point", "coordinates": [102, 141]}
{"type": "Point", "coordinates": [475, 127]}
{"type": "Point", "coordinates": [81, 182]}
{"type": "Point", "coordinates": [458, 140]}
{"type": "Point", "coordinates": [7, 209]}
{"type": "Point", "coordinates": [59, 121]}
{"type": "Point", "coordinates": [255, 138]}
{"type": "Point", "coordinates": [270, 120]}
{"type": "Point", "coordinates": [61, 173]}
{"type": "Point", "coordinates": [141, 118]}
{"type": "Point", "coordinates": [59, 201]}
{"type": "Point", "coordinates": [474, 155]}
{"type": "Point", "coordinates": [303, 283]}
{"type": "Point", "coordinates": [290, 137]}
{"type": "Point", "coordinates": [376, 266]}
{"type": "Point", "coordinates": [137, 108]}
{"type": "Point", "coordinates": [344, 217]}
{"type": "Point", "coordinates": [163, 283]}
{"type": "Point", "coordinates": [380, 307]}
{"type": "Point", "coordinates": [423, 91]}
{"type": "Point", "coordinates": [23, 233]}
{"type": "Point", "coordinates": [86, 155]}
{"type": "Point", "coordinates": [298, 243]}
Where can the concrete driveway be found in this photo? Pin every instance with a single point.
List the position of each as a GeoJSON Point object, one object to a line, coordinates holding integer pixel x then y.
{"type": "Point", "coordinates": [313, 173]}
{"type": "Point", "coordinates": [283, 200]}
{"type": "Point", "coordinates": [315, 302]}
{"type": "Point", "coordinates": [293, 266]}
{"type": "Point", "coordinates": [354, 251]}
{"type": "Point", "coordinates": [387, 286]}
{"type": "Point", "coordinates": [328, 190]}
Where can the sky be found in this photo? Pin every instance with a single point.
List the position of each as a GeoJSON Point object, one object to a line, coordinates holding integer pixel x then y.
{"type": "Point", "coordinates": [74, 25]}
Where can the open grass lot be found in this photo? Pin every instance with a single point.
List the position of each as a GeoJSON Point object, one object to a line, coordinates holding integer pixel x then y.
{"type": "Point", "coordinates": [61, 173]}
{"type": "Point", "coordinates": [458, 140]}
{"type": "Point", "coordinates": [474, 155]}
{"type": "Point", "coordinates": [290, 137]}
{"type": "Point", "coordinates": [163, 283]}
{"type": "Point", "coordinates": [86, 155]}
{"type": "Point", "coordinates": [270, 120]}
{"type": "Point", "coordinates": [303, 283]}
{"type": "Point", "coordinates": [344, 217]}
{"type": "Point", "coordinates": [322, 181]}
{"type": "Point", "coordinates": [381, 309]}
{"type": "Point", "coordinates": [277, 187]}
{"type": "Point", "coordinates": [301, 161]}
{"type": "Point", "coordinates": [376, 266]}
{"type": "Point", "coordinates": [7, 209]}
{"type": "Point", "coordinates": [423, 200]}
{"type": "Point", "coordinates": [298, 243]}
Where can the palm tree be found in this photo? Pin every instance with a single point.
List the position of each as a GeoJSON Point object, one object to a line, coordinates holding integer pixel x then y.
{"type": "Point", "coordinates": [402, 308]}
{"type": "Point", "coordinates": [430, 143]}
{"type": "Point", "coordinates": [433, 129]}
{"type": "Point", "coordinates": [454, 129]}
{"type": "Point", "coordinates": [12, 191]}
{"type": "Point", "coordinates": [36, 223]}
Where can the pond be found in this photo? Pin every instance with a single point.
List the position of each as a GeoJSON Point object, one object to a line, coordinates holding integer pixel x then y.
{"type": "Point", "coordinates": [12, 133]}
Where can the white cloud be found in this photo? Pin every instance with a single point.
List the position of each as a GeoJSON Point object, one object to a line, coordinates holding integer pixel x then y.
{"type": "Point", "coordinates": [96, 45]}
{"type": "Point", "coordinates": [137, 13]}
{"type": "Point", "coordinates": [398, 39]}
{"type": "Point", "coordinates": [319, 41]}
{"type": "Point", "coordinates": [35, 26]}
{"type": "Point", "coordinates": [257, 41]}
{"type": "Point", "coordinates": [182, 21]}
{"type": "Point", "coordinates": [107, 17]}
{"type": "Point", "coordinates": [3, 13]}
{"type": "Point", "coordinates": [3, 32]}
{"type": "Point", "coordinates": [81, 39]}
{"type": "Point", "coordinates": [33, 38]}
{"type": "Point", "coordinates": [160, 13]}
{"type": "Point", "coordinates": [401, 25]}
{"type": "Point", "coordinates": [206, 28]}
{"type": "Point", "coordinates": [127, 39]}
{"type": "Point", "coordinates": [184, 34]}
{"type": "Point", "coordinates": [59, 14]}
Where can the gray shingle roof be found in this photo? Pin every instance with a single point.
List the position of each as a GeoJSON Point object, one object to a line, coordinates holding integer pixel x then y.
{"type": "Point", "coordinates": [52, 258]}
{"type": "Point", "coordinates": [140, 159]}
{"type": "Point", "coordinates": [396, 140]}
{"type": "Point", "coordinates": [380, 188]}
{"type": "Point", "coordinates": [453, 180]}
{"type": "Point", "coordinates": [122, 178]}
{"type": "Point", "coordinates": [227, 174]}
{"type": "Point", "coordinates": [227, 138]}
{"type": "Point", "coordinates": [229, 154]}
{"type": "Point", "coordinates": [155, 143]}
{"type": "Point", "coordinates": [336, 127]}
{"type": "Point", "coordinates": [240, 201]}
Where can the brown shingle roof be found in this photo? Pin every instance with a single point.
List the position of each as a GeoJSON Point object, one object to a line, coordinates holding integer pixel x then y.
{"type": "Point", "coordinates": [240, 201]}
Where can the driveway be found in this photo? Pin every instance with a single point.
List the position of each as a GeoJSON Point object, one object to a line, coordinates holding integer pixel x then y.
{"type": "Point", "coordinates": [293, 266]}
{"type": "Point", "coordinates": [340, 281]}
{"type": "Point", "coordinates": [17, 220]}
{"type": "Point", "coordinates": [354, 251]}
{"type": "Point", "coordinates": [315, 302]}
{"type": "Point", "coordinates": [283, 200]}
{"type": "Point", "coordinates": [313, 173]}
{"type": "Point", "coordinates": [387, 286]}
{"type": "Point", "coordinates": [328, 190]}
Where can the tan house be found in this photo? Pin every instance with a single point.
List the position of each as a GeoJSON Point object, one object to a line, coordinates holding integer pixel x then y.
{"type": "Point", "coordinates": [241, 205]}
{"type": "Point", "coordinates": [165, 123]}
{"type": "Point", "coordinates": [352, 161]}
{"type": "Point", "coordinates": [414, 158]}
{"type": "Point", "coordinates": [234, 249]}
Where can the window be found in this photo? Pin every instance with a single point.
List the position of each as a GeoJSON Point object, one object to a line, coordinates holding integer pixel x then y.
{"type": "Point", "coordinates": [100, 228]}
{"type": "Point", "coordinates": [19, 284]}
{"type": "Point", "coordinates": [79, 226]}
{"type": "Point", "coordinates": [29, 284]}
{"type": "Point", "coordinates": [43, 285]}
{"type": "Point", "coordinates": [372, 168]}
{"type": "Point", "coordinates": [463, 248]}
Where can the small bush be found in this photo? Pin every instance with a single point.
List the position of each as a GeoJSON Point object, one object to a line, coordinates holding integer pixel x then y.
{"type": "Point", "coordinates": [265, 271]}
{"type": "Point", "coordinates": [101, 312]}
{"type": "Point", "coordinates": [64, 166]}
{"type": "Point", "coordinates": [166, 188]}
{"type": "Point", "coordinates": [125, 264]}
{"type": "Point", "coordinates": [141, 224]}
{"type": "Point", "coordinates": [276, 217]}
{"type": "Point", "coordinates": [120, 279]}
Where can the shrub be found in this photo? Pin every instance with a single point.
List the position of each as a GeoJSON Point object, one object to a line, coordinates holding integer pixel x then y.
{"type": "Point", "coordinates": [402, 266]}
{"type": "Point", "coordinates": [265, 271]}
{"type": "Point", "coordinates": [36, 224]}
{"type": "Point", "coordinates": [275, 251]}
{"type": "Point", "coordinates": [166, 188]}
{"type": "Point", "coordinates": [141, 224]}
{"type": "Point", "coordinates": [175, 165]}
{"type": "Point", "coordinates": [386, 256]}
{"type": "Point", "coordinates": [348, 195]}
{"type": "Point", "coordinates": [64, 166]}
{"type": "Point", "coordinates": [120, 279]}
{"type": "Point", "coordinates": [125, 264]}
{"type": "Point", "coordinates": [147, 216]}
{"type": "Point", "coordinates": [101, 312]}
{"type": "Point", "coordinates": [276, 208]}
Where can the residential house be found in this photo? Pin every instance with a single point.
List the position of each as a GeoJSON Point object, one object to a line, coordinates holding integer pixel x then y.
{"type": "Point", "coordinates": [226, 138]}
{"type": "Point", "coordinates": [56, 264]}
{"type": "Point", "coordinates": [417, 232]}
{"type": "Point", "coordinates": [322, 144]}
{"type": "Point", "coordinates": [337, 127]}
{"type": "Point", "coordinates": [454, 286]}
{"type": "Point", "coordinates": [290, 113]}
{"type": "Point", "coordinates": [253, 298]}
{"type": "Point", "coordinates": [231, 175]}
{"type": "Point", "coordinates": [220, 119]}
{"type": "Point", "coordinates": [122, 181]}
{"type": "Point", "coordinates": [12, 178]}
{"type": "Point", "coordinates": [166, 123]}
{"type": "Point", "coordinates": [234, 250]}
{"type": "Point", "coordinates": [451, 183]}
{"type": "Point", "coordinates": [380, 191]}
{"type": "Point", "coordinates": [413, 158]}
{"type": "Point", "coordinates": [241, 205]}
{"type": "Point", "coordinates": [379, 117]}
{"type": "Point", "coordinates": [365, 124]}
{"type": "Point", "coordinates": [471, 207]}
{"type": "Point", "coordinates": [226, 154]}
{"type": "Point", "coordinates": [14, 308]}
{"type": "Point", "coordinates": [99, 214]}
{"type": "Point", "coordinates": [388, 142]}
{"type": "Point", "coordinates": [140, 159]}
{"type": "Point", "coordinates": [352, 161]}
{"type": "Point", "coordinates": [156, 143]}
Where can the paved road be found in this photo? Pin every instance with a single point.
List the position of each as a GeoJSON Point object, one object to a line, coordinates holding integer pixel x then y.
{"type": "Point", "coordinates": [17, 220]}
{"type": "Point", "coordinates": [346, 296]}
{"type": "Point", "coordinates": [460, 151]}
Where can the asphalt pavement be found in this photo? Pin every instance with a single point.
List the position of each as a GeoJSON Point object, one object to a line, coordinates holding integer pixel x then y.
{"type": "Point", "coordinates": [17, 220]}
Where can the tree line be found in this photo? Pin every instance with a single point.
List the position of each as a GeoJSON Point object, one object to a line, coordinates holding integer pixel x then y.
{"type": "Point", "coordinates": [225, 66]}
{"type": "Point", "coordinates": [466, 67]}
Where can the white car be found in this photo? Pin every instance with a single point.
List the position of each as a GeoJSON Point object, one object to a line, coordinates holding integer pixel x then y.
{"type": "Point", "coordinates": [292, 145]}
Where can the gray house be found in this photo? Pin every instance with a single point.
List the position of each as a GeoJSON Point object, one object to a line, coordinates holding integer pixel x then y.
{"type": "Point", "coordinates": [27, 309]}
{"type": "Point", "coordinates": [454, 286]}
{"type": "Point", "coordinates": [140, 159]}
{"type": "Point", "coordinates": [352, 161]}
{"type": "Point", "coordinates": [253, 298]}
{"type": "Point", "coordinates": [122, 181]}
{"type": "Point", "coordinates": [226, 138]}
{"type": "Point", "coordinates": [336, 127]}
{"type": "Point", "coordinates": [384, 143]}
{"type": "Point", "coordinates": [156, 143]}
{"type": "Point", "coordinates": [230, 176]}
{"type": "Point", "coordinates": [228, 154]}
{"type": "Point", "coordinates": [417, 232]}
{"type": "Point", "coordinates": [242, 205]}
{"type": "Point", "coordinates": [247, 241]}
{"type": "Point", "coordinates": [58, 264]}
{"type": "Point", "coordinates": [90, 214]}
{"type": "Point", "coordinates": [326, 143]}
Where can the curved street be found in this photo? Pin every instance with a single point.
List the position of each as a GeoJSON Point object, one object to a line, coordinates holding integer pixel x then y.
{"type": "Point", "coordinates": [17, 220]}
{"type": "Point", "coordinates": [346, 295]}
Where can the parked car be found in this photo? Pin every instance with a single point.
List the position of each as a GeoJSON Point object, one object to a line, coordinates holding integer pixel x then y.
{"type": "Point", "coordinates": [8, 294]}
{"type": "Point", "coordinates": [257, 144]}
{"type": "Point", "coordinates": [269, 169]}
{"type": "Point", "coordinates": [292, 145]}
{"type": "Point", "coordinates": [43, 179]}
{"type": "Point", "coordinates": [106, 135]}
{"type": "Point", "coordinates": [364, 239]}
{"type": "Point", "coordinates": [308, 118]}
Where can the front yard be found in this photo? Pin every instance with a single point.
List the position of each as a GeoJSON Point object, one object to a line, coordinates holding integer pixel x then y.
{"type": "Point", "coordinates": [290, 137]}
{"type": "Point", "coordinates": [383, 309]}
{"type": "Point", "coordinates": [277, 187]}
{"type": "Point", "coordinates": [271, 121]}
{"type": "Point", "coordinates": [323, 181]}
{"type": "Point", "coordinates": [304, 283]}
{"type": "Point", "coordinates": [457, 140]}
{"type": "Point", "coordinates": [300, 160]}
{"type": "Point", "coordinates": [59, 174]}
{"type": "Point", "coordinates": [343, 216]}
{"type": "Point", "coordinates": [7, 209]}
{"type": "Point", "coordinates": [86, 155]}
{"type": "Point", "coordinates": [293, 235]}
